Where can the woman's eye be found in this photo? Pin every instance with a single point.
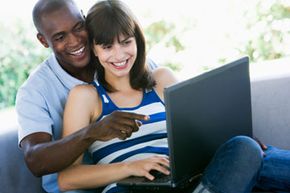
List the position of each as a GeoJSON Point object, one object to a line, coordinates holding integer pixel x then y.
{"type": "Point", "coordinates": [106, 47]}
{"type": "Point", "coordinates": [127, 42]}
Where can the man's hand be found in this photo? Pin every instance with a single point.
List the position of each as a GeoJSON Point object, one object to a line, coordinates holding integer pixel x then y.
{"type": "Point", "coordinates": [262, 145]}
{"type": "Point", "coordinates": [117, 125]}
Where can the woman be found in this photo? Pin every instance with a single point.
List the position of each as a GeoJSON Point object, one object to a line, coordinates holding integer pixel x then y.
{"type": "Point", "coordinates": [124, 85]}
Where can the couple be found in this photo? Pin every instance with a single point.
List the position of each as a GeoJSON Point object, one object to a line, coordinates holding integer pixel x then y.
{"type": "Point", "coordinates": [104, 54]}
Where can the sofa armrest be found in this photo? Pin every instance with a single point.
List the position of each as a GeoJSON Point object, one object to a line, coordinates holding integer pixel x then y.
{"type": "Point", "coordinates": [270, 87]}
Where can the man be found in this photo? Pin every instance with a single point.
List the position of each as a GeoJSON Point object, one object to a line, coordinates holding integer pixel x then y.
{"type": "Point", "coordinates": [41, 99]}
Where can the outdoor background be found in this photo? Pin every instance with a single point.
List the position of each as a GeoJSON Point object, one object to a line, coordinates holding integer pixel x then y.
{"type": "Point", "coordinates": [188, 36]}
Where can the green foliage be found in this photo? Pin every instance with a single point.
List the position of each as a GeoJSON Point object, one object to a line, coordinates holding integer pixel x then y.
{"type": "Point", "coordinates": [19, 54]}
{"type": "Point", "coordinates": [164, 34]}
{"type": "Point", "coordinates": [268, 31]}
{"type": "Point", "coordinates": [156, 32]}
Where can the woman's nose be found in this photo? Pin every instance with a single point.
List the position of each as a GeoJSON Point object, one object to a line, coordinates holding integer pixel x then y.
{"type": "Point", "coordinates": [118, 53]}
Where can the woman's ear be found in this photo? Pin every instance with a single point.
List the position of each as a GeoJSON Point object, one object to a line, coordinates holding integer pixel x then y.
{"type": "Point", "coordinates": [95, 52]}
{"type": "Point", "coordinates": [42, 40]}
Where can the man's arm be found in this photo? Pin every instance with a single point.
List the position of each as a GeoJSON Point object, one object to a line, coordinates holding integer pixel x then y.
{"type": "Point", "coordinates": [44, 156]}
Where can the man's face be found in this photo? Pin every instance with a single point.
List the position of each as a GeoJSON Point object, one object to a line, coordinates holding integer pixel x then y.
{"type": "Point", "coordinates": [64, 31]}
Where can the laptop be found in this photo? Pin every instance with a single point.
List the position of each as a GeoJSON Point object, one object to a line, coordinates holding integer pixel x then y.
{"type": "Point", "coordinates": [201, 114]}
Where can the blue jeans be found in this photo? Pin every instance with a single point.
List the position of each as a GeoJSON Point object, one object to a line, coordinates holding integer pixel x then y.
{"type": "Point", "coordinates": [235, 166]}
{"type": "Point", "coordinates": [80, 191]}
{"type": "Point", "coordinates": [275, 172]}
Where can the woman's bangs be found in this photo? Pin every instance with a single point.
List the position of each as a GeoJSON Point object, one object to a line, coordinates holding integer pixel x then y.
{"type": "Point", "coordinates": [112, 29]}
{"type": "Point", "coordinates": [106, 36]}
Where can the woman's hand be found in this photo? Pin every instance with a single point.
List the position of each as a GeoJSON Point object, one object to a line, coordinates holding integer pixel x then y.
{"type": "Point", "coordinates": [144, 166]}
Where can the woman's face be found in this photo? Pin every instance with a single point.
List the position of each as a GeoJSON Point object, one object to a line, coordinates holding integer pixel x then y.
{"type": "Point", "coordinates": [119, 57]}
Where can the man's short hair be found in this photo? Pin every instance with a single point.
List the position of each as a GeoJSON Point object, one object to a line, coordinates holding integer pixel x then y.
{"type": "Point", "coordinates": [46, 6]}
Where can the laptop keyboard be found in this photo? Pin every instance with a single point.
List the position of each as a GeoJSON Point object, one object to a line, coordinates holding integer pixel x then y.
{"type": "Point", "coordinates": [159, 177]}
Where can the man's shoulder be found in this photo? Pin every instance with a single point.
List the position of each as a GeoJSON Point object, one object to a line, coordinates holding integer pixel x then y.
{"type": "Point", "coordinates": [40, 75]}
{"type": "Point", "coordinates": [41, 79]}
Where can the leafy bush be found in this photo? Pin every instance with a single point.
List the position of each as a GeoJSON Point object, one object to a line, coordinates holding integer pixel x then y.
{"type": "Point", "coordinates": [269, 32]}
{"type": "Point", "coordinates": [19, 54]}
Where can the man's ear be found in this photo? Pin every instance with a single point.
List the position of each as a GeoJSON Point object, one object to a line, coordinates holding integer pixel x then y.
{"type": "Point", "coordinates": [42, 40]}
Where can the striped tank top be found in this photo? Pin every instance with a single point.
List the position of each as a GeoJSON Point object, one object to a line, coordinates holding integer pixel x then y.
{"type": "Point", "coordinates": [149, 140]}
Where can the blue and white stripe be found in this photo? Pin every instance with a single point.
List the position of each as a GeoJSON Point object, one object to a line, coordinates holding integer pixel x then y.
{"type": "Point", "coordinates": [151, 139]}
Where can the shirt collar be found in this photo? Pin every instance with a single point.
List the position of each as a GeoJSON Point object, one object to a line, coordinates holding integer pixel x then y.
{"type": "Point", "coordinates": [67, 80]}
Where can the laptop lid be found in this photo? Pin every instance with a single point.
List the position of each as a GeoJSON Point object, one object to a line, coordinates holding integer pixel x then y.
{"type": "Point", "coordinates": [201, 114]}
{"type": "Point", "coordinates": [204, 112]}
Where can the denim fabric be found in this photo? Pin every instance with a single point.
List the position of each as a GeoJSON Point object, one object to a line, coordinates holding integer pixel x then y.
{"type": "Point", "coordinates": [275, 172]}
{"type": "Point", "coordinates": [80, 191]}
{"type": "Point", "coordinates": [235, 166]}
{"type": "Point", "coordinates": [201, 189]}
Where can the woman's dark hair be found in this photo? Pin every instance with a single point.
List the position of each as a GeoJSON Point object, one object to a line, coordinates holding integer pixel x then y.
{"type": "Point", "coordinates": [109, 19]}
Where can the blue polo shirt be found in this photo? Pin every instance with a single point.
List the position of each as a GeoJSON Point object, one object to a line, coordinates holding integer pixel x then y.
{"type": "Point", "coordinates": [40, 104]}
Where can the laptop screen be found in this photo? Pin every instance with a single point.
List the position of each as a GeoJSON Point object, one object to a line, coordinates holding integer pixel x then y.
{"type": "Point", "coordinates": [205, 111]}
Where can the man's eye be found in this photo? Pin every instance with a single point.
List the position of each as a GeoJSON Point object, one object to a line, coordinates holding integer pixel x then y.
{"type": "Point", "coordinates": [80, 27]}
{"type": "Point", "coordinates": [59, 38]}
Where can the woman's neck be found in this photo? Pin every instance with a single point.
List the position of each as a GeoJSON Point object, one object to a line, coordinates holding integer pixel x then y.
{"type": "Point", "coordinates": [120, 83]}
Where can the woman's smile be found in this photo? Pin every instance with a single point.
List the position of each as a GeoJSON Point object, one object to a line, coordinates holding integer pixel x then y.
{"type": "Point", "coordinates": [120, 65]}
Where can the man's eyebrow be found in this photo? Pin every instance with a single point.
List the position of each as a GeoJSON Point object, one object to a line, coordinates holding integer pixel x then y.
{"type": "Point", "coordinates": [62, 32]}
{"type": "Point", "coordinates": [78, 23]}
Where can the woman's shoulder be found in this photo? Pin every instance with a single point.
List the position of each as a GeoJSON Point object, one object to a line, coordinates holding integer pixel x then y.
{"type": "Point", "coordinates": [160, 70]}
{"type": "Point", "coordinates": [164, 76]}
{"type": "Point", "coordinates": [83, 92]}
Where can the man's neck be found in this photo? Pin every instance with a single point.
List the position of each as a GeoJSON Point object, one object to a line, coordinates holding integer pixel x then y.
{"type": "Point", "coordinates": [86, 75]}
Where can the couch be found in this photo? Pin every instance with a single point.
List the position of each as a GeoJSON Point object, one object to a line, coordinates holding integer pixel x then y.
{"type": "Point", "coordinates": [270, 87]}
{"type": "Point", "coordinates": [270, 84]}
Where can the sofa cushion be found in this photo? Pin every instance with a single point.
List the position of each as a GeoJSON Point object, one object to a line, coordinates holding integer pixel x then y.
{"type": "Point", "coordinates": [14, 175]}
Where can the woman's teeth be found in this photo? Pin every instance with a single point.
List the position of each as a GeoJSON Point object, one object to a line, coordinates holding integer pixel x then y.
{"type": "Point", "coordinates": [119, 63]}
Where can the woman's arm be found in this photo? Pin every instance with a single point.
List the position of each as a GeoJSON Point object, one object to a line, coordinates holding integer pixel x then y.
{"type": "Point", "coordinates": [92, 176]}
{"type": "Point", "coordinates": [83, 107]}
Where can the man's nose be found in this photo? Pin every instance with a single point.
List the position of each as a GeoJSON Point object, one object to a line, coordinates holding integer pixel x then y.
{"type": "Point", "coordinates": [73, 40]}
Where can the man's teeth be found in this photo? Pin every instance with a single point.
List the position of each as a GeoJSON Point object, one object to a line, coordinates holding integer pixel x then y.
{"type": "Point", "coordinates": [120, 63]}
{"type": "Point", "coordinates": [78, 52]}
